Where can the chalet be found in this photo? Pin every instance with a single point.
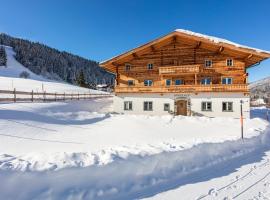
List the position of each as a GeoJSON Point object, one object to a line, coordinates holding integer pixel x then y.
{"type": "Point", "coordinates": [184, 73]}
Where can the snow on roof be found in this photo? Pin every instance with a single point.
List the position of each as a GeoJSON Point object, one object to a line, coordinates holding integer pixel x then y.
{"type": "Point", "coordinates": [219, 40]}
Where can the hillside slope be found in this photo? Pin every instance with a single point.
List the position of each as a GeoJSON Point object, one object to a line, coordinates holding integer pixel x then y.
{"type": "Point", "coordinates": [54, 64]}
{"type": "Point", "coordinates": [10, 79]}
{"type": "Point", "coordinates": [260, 89]}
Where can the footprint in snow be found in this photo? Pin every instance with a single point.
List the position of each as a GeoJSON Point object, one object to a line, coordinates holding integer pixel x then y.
{"type": "Point", "coordinates": [213, 192]}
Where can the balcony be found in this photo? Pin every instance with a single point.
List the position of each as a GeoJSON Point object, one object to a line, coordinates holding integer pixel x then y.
{"type": "Point", "coordinates": [178, 70]}
{"type": "Point", "coordinates": [182, 88]}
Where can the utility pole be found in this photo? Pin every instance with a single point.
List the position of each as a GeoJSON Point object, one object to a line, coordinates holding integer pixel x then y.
{"type": "Point", "coordinates": [241, 119]}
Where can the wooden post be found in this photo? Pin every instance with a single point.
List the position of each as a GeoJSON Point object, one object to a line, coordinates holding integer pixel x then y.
{"type": "Point", "coordinates": [71, 96]}
{"type": "Point", "coordinates": [84, 95]}
{"type": "Point", "coordinates": [78, 96]}
{"type": "Point", "coordinates": [241, 119]}
{"type": "Point", "coordinates": [44, 96]}
{"type": "Point", "coordinates": [64, 96]}
{"type": "Point", "coordinates": [55, 96]}
{"type": "Point", "coordinates": [196, 79]}
{"type": "Point", "coordinates": [14, 92]}
{"type": "Point", "coordinates": [32, 96]}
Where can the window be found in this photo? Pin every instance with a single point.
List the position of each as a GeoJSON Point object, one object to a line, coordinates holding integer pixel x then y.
{"type": "Point", "coordinates": [208, 63]}
{"type": "Point", "coordinates": [130, 82]}
{"type": "Point", "coordinates": [206, 106]}
{"type": "Point", "coordinates": [127, 67]}
{"type": "Point", "coordinates": [168, 82]}
{"type": "Point", "coordinates": [229, 62]}
{"type": "Point", "coordinates": [166, 107]}
{"type": "Point", "coordinates": [150, 66]}
{"type": "Point", "coordinates": [227, 106]}
{"type": "Point", "coordinates": [178, 82]}
{"type": "Point", "coordinates": [206, 81]}
{"type": "Point", "coordinates": [148, 82]}
{"type": "Point", "coordinates": [127, 105]}
{"type": "Point", "coordinates": [148, 106]}
{"type": "Point", "coordinates": [226, 80]}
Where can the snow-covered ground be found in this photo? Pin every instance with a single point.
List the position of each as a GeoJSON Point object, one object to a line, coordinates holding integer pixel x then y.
{"type": "Point", "coordinates": [80, 150]}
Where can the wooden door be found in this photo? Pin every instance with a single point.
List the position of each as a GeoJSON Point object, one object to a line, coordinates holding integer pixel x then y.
{"type": "Point", "coordinates": [181, 107]}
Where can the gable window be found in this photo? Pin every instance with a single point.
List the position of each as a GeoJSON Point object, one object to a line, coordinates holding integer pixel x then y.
{"type": "Point", "coordinates": [127, 67]}
{"type": "Point", "coordinates": [227, 80]}
{"type": "Point", "coordinates": [148, 82]}
{"type": "Point", "coordinates": [208, 63]}
{"type": "Point", "coordinates": [206, 106]}
{"type": "Point", "coordinates": [127, 105]}
{"type": "Point", "coordinates": [150, 66]}
{"type": "Point", "coordinates": [168, 82]}
{"type": "Point", "coordinates": [206, 81]}
{"type": "Point", "coordinates": [166, 107]}
{"type": "Point", "coordinates": [229, 62]}
{"type": "Point", "coordinates": [227, 106]}
{"type": "Point", "coordinates": [130, 82]}
{"type": "Point", "coordinates": [178, 82]}
{"type": "Point", "coordinates": [148, 106]}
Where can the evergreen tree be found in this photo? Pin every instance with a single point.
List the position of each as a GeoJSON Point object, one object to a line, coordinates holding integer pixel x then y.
{"type": "Point", "coordinates": [81, 80]}
{"type": "Point", "coordinates": [3, 56]}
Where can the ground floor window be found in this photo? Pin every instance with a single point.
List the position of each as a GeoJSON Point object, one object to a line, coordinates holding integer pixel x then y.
{"type": "Point", "coordinates": [148, 106]}
{"type": "Point", "coordinates": [206, 106]}
{"type": "Point", "coordinates": [227, 106]}
{"type": "Point", "coordinates": [127, 105]}
{"type": "Point", "coordinates": [166, 107]}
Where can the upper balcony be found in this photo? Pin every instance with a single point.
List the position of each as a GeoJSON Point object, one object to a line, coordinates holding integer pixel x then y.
{"type": "Point", "coordinates": [182, 88]}
{"type": "Point", "coordinates": [178, 70]}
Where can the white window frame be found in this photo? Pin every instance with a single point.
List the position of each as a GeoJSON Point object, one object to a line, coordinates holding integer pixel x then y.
{"type": "Point", "coordinates": [150, 66]}
{"type": "Point", "coordinates": [127, 67]}
{"type": "Point", "coordinates": [227, 80]}
{"type": "Point", "coordinates": [128, 105]}
{"type": "Point", "coordinates": [167, 107]}
{"type": "Point", "coordinates": [227, 106]}
{"type": "Point", "coordinates": [204, 82]}
{"type": "Point", "coordinates": [148, 106]}
{"type": "Point", "coordinates": [207, 62]}
{"type": "Point", "coordinates": [228, 61]}
{"type": "Point", "coordinates": [205, 106]}
{"type": "Point", "coordinates": [147, 82]}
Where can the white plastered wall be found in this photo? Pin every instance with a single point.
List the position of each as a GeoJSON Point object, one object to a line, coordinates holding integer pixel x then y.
{"type": "Point", "coordinates": [195, 103]}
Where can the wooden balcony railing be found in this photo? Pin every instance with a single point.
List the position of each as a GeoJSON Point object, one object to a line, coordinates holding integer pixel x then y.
{"type": "Point", "coordinates": [182, 88]}
{"type": "Point", "coordinates": [179, 69]}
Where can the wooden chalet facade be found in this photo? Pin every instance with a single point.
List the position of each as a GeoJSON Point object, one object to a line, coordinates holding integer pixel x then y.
{"type": "Point", "coordinates": [184, 73]}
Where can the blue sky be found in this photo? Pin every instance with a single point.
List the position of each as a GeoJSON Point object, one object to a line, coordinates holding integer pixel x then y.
{"type": "Point", "coordinates": [100, 29]}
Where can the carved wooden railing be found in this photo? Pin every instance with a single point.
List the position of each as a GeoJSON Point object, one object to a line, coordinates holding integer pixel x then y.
{"type": "Point", "coordinates": [179, 69]}
{"type": "Point", "coordinates": [182, 88]}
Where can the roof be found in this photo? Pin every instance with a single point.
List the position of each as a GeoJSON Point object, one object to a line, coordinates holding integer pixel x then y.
{"type": "Point", "coordinates": [257, 55]}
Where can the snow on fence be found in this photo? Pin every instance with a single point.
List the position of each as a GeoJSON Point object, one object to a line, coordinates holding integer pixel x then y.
{"type": "Point", "coordinates": [16, 96]}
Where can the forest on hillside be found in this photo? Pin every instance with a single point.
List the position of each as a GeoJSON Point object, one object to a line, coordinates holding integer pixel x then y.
{"type": "Point", "coordinates": [54, 64]}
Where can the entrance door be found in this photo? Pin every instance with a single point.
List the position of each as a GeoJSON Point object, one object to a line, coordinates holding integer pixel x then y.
{"type": "Point", "coordinates": [181, 107]}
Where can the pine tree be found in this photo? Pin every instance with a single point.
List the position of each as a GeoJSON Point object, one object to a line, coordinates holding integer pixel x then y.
{"type": "Point", "coordinates": [3, 56]}
{"type": "Point", "coordinates": [81, 80]}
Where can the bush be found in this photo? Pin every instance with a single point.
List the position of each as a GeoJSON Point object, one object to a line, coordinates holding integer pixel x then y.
{"type": "Point", "coordinates": [24, 74]}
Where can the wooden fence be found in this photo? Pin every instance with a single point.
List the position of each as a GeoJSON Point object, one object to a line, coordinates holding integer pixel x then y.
{"type": "Point", "coordinates": [21, 96]}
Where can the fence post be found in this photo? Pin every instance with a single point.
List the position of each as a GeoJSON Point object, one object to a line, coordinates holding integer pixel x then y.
{"type": "Point", "coordinates": [78, 96]}
{"type": "Point", "coordinates": [32, 96]}
{"type": "Point", "coordinates": [14, 92]}
{"type": "Point", "coordinates": [44, 96]}
{"type": "Point", "coordinates": [55, 96]}
{"type": "Point", "coordinates": [64, 96]}
{"type": "Point", "coordinates": [71, 96]}
{"type": "Point", "coordinates": [84, 95]}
